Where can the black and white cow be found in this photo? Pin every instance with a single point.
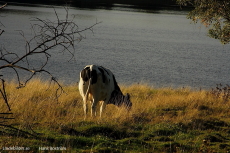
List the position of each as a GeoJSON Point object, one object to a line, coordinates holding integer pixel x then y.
{"type": "Point", "coordinates": [98, 84]}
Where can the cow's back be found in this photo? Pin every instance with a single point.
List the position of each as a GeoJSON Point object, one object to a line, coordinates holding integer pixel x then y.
{"type": "Point", "coordinates": [101, 84]}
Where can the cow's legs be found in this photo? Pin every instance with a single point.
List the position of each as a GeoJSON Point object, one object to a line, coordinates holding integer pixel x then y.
{"type": "Point", "coordinates": [85, 107]}
{"type": "Point", "coordinates": [103, 104]}
{"type": "Point", "coordinates": [93, 107]}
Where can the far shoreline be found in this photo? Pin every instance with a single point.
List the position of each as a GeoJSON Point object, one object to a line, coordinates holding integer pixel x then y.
{"type": "Point", "coordinates": [94, 5]}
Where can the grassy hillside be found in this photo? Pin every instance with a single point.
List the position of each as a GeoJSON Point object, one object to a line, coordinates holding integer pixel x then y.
{"type": "Point", "coordinates": [161, 120]}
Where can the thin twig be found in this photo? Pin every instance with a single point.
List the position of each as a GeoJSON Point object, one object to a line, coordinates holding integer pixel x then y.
{"type": "Point", "coordinates": [3, 6]}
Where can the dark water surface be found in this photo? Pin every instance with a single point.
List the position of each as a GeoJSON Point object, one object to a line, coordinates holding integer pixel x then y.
{"type": "Point", "coordinates": [158, 47]}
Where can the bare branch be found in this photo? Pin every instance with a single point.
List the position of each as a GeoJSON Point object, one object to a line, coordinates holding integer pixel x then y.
{"type": "Point", "coordinates": [3, 93]}
{"type": "Point", "coordinates": [3, 6]}
{"type": "Point", "coordinates": [48, 35]}
{"type": "Point", "coordinates": [1, 31]}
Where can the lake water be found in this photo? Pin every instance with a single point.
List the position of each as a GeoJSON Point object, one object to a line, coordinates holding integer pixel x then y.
{"type": "Point", "coordinates": [160, 47]}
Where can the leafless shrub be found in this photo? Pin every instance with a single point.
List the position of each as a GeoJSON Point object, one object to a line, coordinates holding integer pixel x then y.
{"type": "Point", "coordinates": [221, 92]}
{"type": "Point", "coordinates": [47, 37]}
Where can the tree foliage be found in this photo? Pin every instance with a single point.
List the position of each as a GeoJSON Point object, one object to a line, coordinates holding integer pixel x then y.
{"type": "Point", "coordinates": [214, 14]}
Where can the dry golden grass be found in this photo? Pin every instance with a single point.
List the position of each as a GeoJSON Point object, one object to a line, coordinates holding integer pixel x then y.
{"type": "Point", "coordinates": [163, 119]}
{"type": "Point", "coordinates": [36, 106]}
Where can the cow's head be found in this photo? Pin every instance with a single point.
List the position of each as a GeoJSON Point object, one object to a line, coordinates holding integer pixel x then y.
{"type": "Point", "coordinates": [127, 103]}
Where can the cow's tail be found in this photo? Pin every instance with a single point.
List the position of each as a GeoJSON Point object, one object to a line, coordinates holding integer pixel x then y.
{"type": "Point", "coordinates": [89, 84]}
{"type": "Point", "coordinates": [87, 91]}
